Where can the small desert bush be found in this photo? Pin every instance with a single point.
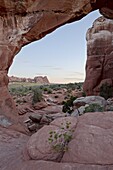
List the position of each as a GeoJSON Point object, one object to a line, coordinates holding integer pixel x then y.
{"type": "Point", "coordinates": [94, 107]}
{"type": "Point", "coordinates": [47, 90]}
{"type": "Point", "coordinates": [19, 91]}
{"type": "Point", "coordinates": [74, 86]}
{"type": "Point", "coordinates": [59, 139]}
{"type": "Point", "coordinates": [37, 95]}
{"type": "Point", "coordinates": [106, 91]}
{"type": "Point", "coordinates": [68, 105]}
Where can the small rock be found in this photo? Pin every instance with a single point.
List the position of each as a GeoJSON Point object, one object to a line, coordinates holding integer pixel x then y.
{"type": "Point", "coordinates": [5, 122]}
{"type": "Point", "coordinates": [75, 113]}
{"type": "Point", "coordinates": [33, 127]}
{"type": "Point", "coordinates": [35, 117]}
{"type": "Point", "coordinates": [57, 115]}
{"type": "Point", "coordinates": [45, 120]}
{"type": "Point", "coordinates": [27, 121]}
{"type": "Point", "coordinates": [81, 110]}
{"type": "Point", "coordinates": [40, 105]}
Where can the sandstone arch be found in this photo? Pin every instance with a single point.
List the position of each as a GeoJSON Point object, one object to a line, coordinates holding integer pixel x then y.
{"type": "Point", "coordinates": [25, 21]}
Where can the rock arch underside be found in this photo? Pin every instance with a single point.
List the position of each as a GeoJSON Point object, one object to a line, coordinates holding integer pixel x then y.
{"type": "Point", "coordinates": [25, 21]}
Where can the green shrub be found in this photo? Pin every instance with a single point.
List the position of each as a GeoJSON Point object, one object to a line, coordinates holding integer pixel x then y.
{"type": "Point", "coordinates": [74, 86]}
{"type": "Point", "coordinates": [94, 107]}
{"type": "Point", "coordinates": [48, 90]}
{"type": "Point", "coordinates": [45, 89]}
{"type": "Point", "coordinates": [59, 139]}
{"type": "Point", "coordinates": [68, 105]}
{"type": "Point", "coordinates": [106, 91]}
{"type": "Point", "coordinates": [109, 108]}
{"type": "Point", "coordinates": [37, 95]}
{"type": "Point", "coordinates": [19, 91]}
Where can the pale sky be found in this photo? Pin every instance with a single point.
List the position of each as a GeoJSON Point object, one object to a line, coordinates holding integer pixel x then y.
{"type": "Point", "coordinates": [61, 55]}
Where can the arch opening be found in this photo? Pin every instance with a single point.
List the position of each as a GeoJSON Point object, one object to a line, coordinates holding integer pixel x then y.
{"type": "Point", "coordinates": [58, 55]}
{"type": "Point", "coordinates": [64, 62]}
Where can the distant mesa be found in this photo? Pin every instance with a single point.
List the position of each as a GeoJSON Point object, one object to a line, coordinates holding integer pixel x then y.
{"type": "Point", "coordinates": [37, 79]}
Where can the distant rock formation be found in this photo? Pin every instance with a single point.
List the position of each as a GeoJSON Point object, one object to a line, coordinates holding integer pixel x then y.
{"type": "Point", "coordinates": [99, 65]}
{"type": "Point", "coordinates": [38, 79]}
{"type": "Point", "coordinates": [41, 80]}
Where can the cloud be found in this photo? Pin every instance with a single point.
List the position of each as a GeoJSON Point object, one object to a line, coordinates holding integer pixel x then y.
{"type": "Point", "coordinates": [51, 67]}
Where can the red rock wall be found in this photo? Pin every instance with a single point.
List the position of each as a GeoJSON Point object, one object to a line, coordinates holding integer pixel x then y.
{"type": "Point", "coordinates": [99, 65]}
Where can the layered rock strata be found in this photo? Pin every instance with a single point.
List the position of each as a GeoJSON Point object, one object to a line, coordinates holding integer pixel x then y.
{"type": "Point", "coordinates": [99, 65]}
{"type": "Point", "coordinates": [25, 21]}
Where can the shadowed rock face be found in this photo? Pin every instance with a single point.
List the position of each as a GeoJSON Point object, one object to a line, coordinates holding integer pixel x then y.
{"type": "Point", "coordinates": [99, 65]}
{"type": "Point", "coordinates": [25, 21]}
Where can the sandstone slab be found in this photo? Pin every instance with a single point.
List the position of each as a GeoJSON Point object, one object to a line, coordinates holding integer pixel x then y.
{"type": "Point", "coordinates": [62, 121]}
{"type": "Point", "coordinates": [92, 141]}
{"type": "Point", "coordinates": [39, 147]}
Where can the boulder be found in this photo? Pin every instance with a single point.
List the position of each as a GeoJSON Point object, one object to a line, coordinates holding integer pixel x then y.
{"type": "Point", "coordinates": [82, 101]}
{"type": "Point", "coordinates": [40, 105]}
{"type": "Point", "coordinates": [92, 141]}
{"type": "Point", "coordinates": [75, 113]}
{"type": "Point", "coordinates": [39, 147]}
{"type": "Point", "coordinates": [62, 121]}
{"type": "Point", "coordinates": [53, 109]}
{"type": "Point", "coordinates": [35, 117]}
{"type": "Point", "coordinates": [12, 144]}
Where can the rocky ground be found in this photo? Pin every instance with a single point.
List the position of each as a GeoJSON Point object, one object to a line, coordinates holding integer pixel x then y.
{"type": "Point", "coordinates": [90, 149]}
{"type": "Point", "coordinates": [47, 108]}
{"type": "Point", "coordinates": [81, 141]}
